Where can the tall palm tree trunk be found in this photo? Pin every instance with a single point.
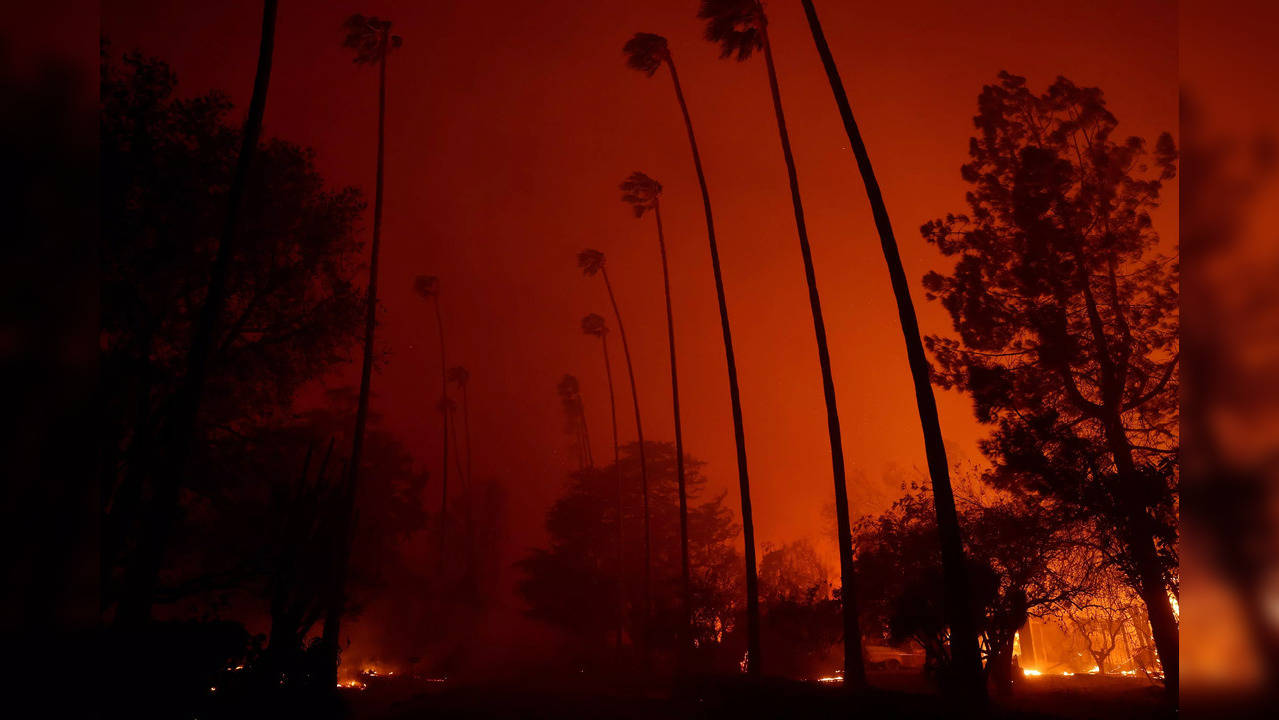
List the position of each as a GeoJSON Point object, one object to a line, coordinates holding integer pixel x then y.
{"type": "Point", "coordinates": [337, 601]}
{"type": "Point", "coordinates": [617, 471]}
{"type": "Point", "coordinates": [639, 431]}
{"type": "Point", "coordinates": [135, 605]}
{"type": "Point", "coordinates": [685, 585]}
{"type": "Point", "coordinates": [854, 669]}
{"type": "Point", "coordinates": [965, 652]}
{"type": "Point", "coordinates": [739, 431]}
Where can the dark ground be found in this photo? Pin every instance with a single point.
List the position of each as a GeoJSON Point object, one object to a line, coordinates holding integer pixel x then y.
{"type": "Point", "coordinates": [896, 695]}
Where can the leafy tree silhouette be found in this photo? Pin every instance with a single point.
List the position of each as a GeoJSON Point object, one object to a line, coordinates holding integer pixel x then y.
{"type": "Point", "coordinates": [428, 287]}
{"type": "Point", "coordinates": [1066, 315]}
{"type": "Point", "coordinates": [595, 326]}
{"type": "Point", "coordinates": [566, 582]}
{"type": "Point", "coordinates": [372, 42]}
{"type": "Point", "coordinates": [647, 52]}
{"type": "Point", "coordinates": [175, 446]}
{"type": "Point", "coordinates": [739, 28]}
{"type": "Point", "coordinates": [291, 307]}
{"type": "Point", "coordinates": [643, 193]}
{"type": "Point", "coordinates": [591, 263]}
{"type": "Point", "coordinates": [965, 650]}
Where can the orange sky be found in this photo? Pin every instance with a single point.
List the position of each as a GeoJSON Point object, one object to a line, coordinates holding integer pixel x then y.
{"type": "Point", "coordinates": [508, 130]}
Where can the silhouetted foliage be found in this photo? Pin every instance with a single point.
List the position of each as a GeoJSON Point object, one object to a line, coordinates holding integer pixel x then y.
{"type": "Point", "coordinates": [369, 38]}
{"type": "Point", "coordinates": [801, 619]}
{"type": "Point", "coordinates": [1066, 311]}
{"type": "Point", "coordinates": [292, 305]}
{"type": "Point", "coordinates": [734, 25]}
{"type": "Point", "coordinates": [571, 583]}
{"type": "Point", "coordinates": [646, 52]}
{"type": "Point", "coordinates": [1022, 560]}
{"type": "Point", "coordinates": [641, 192]}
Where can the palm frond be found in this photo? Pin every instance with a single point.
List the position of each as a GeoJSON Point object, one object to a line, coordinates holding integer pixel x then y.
{"type": "Point", "coordinates": [590, 261]}
{"type": "Point", "coordinates": [458, 375]}
{"type": "Point", "coordinates": [594, 324]}
{"type": "Point", "coordinates": [646, 52]}
{"type": "Point", "coordinates": [569, 387]}
{"type": "Point", "coordinates": [641, 191]}
{"type": "Point", "coordinates": [428, 286]}
{"type": "Point", "coordinates": [369, 37]}
{"type": "Point", "coordinates": [734, 25]}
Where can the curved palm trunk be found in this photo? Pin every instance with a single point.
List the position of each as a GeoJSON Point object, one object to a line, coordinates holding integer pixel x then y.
{"type": "Point", "coordinates": [135, 604]}
{"type": "Point", "coordinates": [685, 585]}
{"type": "Point", "coordinates": [639, 431]}
{"type": "Point", "coordinates": [854, 669]}
{"type": "Point", "coordinates": [965, 652]}
{"type": "Point", "coordinates": [739, 431]}
{"type": "Point", "coordinates": [617, 471]}
{"type": "Point", "coordinates": [337, 600]}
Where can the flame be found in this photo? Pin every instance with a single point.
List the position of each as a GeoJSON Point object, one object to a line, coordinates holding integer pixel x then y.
{"type": "Point", "coordinates": [1027, 672]}
{"type": "Point", "coordinates": [830, 679]}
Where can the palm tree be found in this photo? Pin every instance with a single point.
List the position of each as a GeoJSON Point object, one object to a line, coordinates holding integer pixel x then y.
{"type": "Point", "coordinates": [740, 27]}
{"type": "Point", "coordinates": [460, 376]}
{"type": "Point", "coordinates": [372, 41]}
{"type": "Point", "coordinates": [647, 52]}
{"type": "Point", "coordinates": [595, 326]}
{"type": "Point", "coordinates": [135, 603]}
{"type": "Point", "coordinates": [592, 263]}
{"type": "Point", "coordinates": [428, 287]}
{"type": "Point", "coordinates": [643, 193]}
{"type": "Point", "coordinates": [570, 392]}
{"type": "Point", "coordinates": [965, 652]}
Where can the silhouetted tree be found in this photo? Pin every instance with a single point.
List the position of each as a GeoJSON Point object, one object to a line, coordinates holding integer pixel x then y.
{"type": "Point", "coordinates": [740, 27]}
{"type": "Point", "coordinates": [1023, 558]}
{"type": "Point", "coordinates": [802, 619]}
{"type": "Point", "coordinates": [646, 53]}
{"type": "Point", "coordinates": [291, 303]}
{"type": "Point", "coordinates": [428, 286]}
{"type": "Point", "coordinates": [595, 326]}
{"type": "Point", "coordinates": [959, 614]}
{"type": "Point", "coordinates": [570, 392]}
{"type": "Point", "coordinates": [643, 193]}
{"type": "Point", "coordinates": [372, 42]}
{"type": "Point", "coordinates": [565, 583]}
{"type": "Point", "coordinates": [1067, 321]}
{"type": "Point", "coordinates": [461, 377]}
{"type": "Point", "coordinates": [592, 263]}
{"type": "Point", "coordinates": [177, 433]}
